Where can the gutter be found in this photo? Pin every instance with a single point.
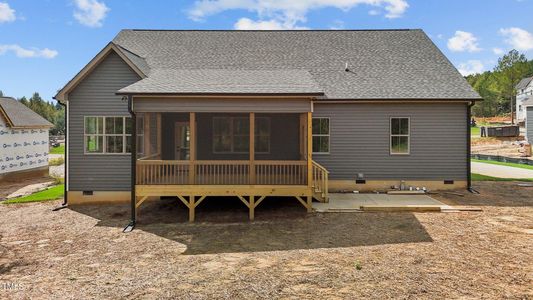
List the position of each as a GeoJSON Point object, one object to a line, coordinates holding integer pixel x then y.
{"type": "Point", "coordinates": [131, 225]}
{"type": "Point", "coordinates": [469, 149]}
{"type": "Point", "coordinates": [65, 194]}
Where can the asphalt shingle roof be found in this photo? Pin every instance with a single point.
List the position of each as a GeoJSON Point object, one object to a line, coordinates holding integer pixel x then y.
{"type": "Point", "coordinates": [383, 64]}
{"type": "Point", "coordinates": [21, 116]}
{"type": "Point", "coordinates": [524, 83]}
{"type": "Point", "coordinates": [226, 81]}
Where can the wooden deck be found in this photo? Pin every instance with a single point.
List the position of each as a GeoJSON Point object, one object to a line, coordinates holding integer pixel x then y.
{"type": "Point", "coordinates": [192, 182]}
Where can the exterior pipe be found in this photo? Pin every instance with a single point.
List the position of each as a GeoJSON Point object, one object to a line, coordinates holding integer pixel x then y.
{"type": "Point", "coordinates": [131, 225]}
{"type": "Point", "coordinates": [65, 194]}
{"type": "Point", "coordinates": [469, 148]}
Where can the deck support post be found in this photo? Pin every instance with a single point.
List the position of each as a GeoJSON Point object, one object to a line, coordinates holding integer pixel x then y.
{"type": "Point", "coordinates": [191, 204]}
{"type": "Point", "coordinates": [191, 208]}
{"type": "Point", "coordinates": [307, 204]}
{"type": "Point", "coordinates": [252, 208]}
{"type": "Point", "coordinates": [251, 204]}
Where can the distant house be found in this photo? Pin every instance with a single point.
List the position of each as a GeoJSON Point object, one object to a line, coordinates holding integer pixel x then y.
{"type": "Point", "coordinates": [23, 141]}
{"type": "Point", "coordinates": [524, 96]}
{"type": "Point", "coordinates": [252, 114]}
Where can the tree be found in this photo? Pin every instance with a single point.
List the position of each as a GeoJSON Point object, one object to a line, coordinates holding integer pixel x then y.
{"type": "Point", "coordinates": [511, 68]}
{"type": "Point", "coordinates": [54, 113]}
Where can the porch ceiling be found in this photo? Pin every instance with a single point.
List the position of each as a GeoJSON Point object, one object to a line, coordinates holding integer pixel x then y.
{"type": "Point", "coordinates": [233, 82]}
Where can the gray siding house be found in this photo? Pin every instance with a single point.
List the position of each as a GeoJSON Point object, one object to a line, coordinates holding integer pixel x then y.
{"type": "Point", "coordinates": [174, 113]}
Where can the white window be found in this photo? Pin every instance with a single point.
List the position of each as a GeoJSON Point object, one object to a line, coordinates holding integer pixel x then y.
{"type": "Point", "coordinates": [320, 135]}
{"type": "Point", "coordinates": [399, 135]}
{"type": "Point", "coordinates": [107, 135]}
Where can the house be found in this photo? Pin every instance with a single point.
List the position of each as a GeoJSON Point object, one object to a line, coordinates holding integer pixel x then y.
{"type": "Point", "coordinates": [173, 113]}
{"type": "Point", "coordinates": [524, 95]}
{"type": "Point", "coordinates": [23, 141]}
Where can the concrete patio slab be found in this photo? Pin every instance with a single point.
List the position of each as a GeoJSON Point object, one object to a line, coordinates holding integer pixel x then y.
{"type": "Point", "coordinates": [378, 202]}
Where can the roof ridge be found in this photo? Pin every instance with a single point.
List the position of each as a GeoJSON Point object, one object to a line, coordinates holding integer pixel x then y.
{"type": "Point", "coordinates": [271, 30]}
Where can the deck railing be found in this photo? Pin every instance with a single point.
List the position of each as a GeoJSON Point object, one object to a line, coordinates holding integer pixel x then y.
{"type": "Point", "coordinates": [221, 172]}
{"type": "Point", "coordinates": [320, 182]}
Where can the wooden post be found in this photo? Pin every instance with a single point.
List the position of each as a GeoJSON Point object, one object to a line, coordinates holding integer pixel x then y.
{"type": "Point", "coordinates": [309, 203]}
{"type": "Point", "coordinates": [303, 136]}
{"type": "Point", "coordinates": [147, 146]}
{"type": "Point", "coordinates": [159, 134]}
{"type": "Point", "coordinates": [252, 208]}
{"type": "Point", "coordinates": [192, 206]}
{"type": "Point", "coordinates": [192, 147]}
{"type": "Point", "coordinates": [252, 148]}
{"type": "Point", "coordinates": [309, 149]}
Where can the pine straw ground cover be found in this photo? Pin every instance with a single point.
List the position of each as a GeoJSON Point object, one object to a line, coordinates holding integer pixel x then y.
{"type": "Point", "coordinates": [81, 253]}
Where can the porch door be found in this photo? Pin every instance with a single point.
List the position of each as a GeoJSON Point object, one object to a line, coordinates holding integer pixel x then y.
{"type": "Point", "coordinates": [181, 141]}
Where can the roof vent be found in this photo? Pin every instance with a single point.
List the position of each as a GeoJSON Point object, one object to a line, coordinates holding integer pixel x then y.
{"type": "Point", "coordinates": [346, 67]}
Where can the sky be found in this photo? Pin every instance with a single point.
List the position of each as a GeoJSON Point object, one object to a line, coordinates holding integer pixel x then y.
{"type": "Point", "coordinates": [44, 43]}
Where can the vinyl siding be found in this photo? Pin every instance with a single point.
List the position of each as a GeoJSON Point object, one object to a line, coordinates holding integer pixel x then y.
{"type": "Point", "coordinates": [222, 105]}
{"type": "Point", "coordinates": [529, 124]}
{"type": "Point", "coordinates": [360, 141]}
{"type": "Point", "coordinates": [95, 96]}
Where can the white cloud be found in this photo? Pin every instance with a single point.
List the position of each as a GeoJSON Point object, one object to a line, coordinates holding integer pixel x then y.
{"type": "Point", "coordinates": [289, 13]}
{"type": "Point", "coordinates": [518, 38]}
{"type": "Point", "coordinates": [248, 24]}
{"type": "Point", "coordinates": [28, 52]}
{"type": "Point", "coordinates": [471, 67]}
{"type": "Point", "coordinates": [373, 12]}
{"type": "Point", "coordinates": [7, 14]}
{"type": "Point", "coordinates": [498, 51]}
{"type": "Point", "coordinates": [90, 12]}
{"type": "Point", "coordinates": [463, 41]}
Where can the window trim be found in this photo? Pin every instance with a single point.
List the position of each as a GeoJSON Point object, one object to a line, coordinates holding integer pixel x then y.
{"type": "Point", "coordinates": [104, 135]}
{"type": "Point", "coordinates": [232, 135]}
{"type": "Point", "coordinates": [328, 135]}
{"type": "Point", "coordinates": [408, 135]}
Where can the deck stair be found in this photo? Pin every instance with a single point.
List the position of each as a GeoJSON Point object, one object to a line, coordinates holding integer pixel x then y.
{"type": "Point", "coordinates": [320, 182]}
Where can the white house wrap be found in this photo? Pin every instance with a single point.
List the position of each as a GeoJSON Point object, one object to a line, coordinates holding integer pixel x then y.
{"type": "Point", "coordinates": [23, 138]}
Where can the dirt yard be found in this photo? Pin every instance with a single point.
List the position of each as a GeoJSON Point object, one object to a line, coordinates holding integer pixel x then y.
{"type": "Point", "coordinates": [508, 147]}
{"type": "Point", "coordinates": [81, 252]}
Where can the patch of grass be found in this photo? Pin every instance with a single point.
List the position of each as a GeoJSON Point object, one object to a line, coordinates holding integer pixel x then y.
{"type": "Point", "coordinates": [475, 131]}
{"type": "Point", "coordinates": [479, 177]}
{"type": "Point", "coordinates": [52, 193]}
{"type": "Point", "coordinates": [507, 164]}
{"type": "Point", "coordinates": [58, 150]}
{"type": "Point", "coordinates": [56, 161]}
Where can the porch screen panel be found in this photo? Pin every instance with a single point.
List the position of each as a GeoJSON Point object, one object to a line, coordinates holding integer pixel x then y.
{"type": "Point", "coordinates": [148, 135]}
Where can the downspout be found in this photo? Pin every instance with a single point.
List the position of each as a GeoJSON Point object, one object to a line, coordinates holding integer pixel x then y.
{"type": "Point", "coordinates": [469, 148]}
{"type": "Point", "coordinates": [65, 191]}
{"type": "Point", "coordinates": [131, 225]}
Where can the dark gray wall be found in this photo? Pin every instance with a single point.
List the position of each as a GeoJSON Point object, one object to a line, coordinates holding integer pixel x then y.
{"type": "Point", "coordinates": [360, 141]}
{"type": "Point", "coordinates": [95, 96]}
{"type": "Point", "coordinates": [529, 123]}
{"type": "Point", "coordinates": [283, 139]}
